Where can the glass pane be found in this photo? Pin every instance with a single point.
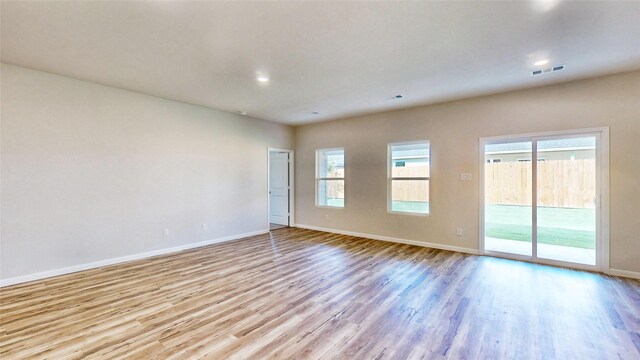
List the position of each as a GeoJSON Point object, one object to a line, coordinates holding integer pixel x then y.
{"type": "Point", "coordinates": [566, 200]}
{"type": "Point", "coordinates": [410, 196]}
{"type": "Point", "coordinates": [331, 163]}
{"type": "Point", "coordinates": [508, 193]}
{"type": "Point", "coordinates": [331, 193]}
{"type": "Point", "coordinates": [410, 160]}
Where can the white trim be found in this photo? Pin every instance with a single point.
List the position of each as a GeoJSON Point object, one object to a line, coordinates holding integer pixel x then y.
{"type": "Point", "coordinates": [612, 272]}
{"type": "Point", "coordinates": [527, 136]}
{"type": "Point", "coordinates": [318, 179]}
{"type": "Point", "coordinates": [292, 187]}
{"type": "Point", "coordinates": [118, 260]}
{"type": "Point", "coordinates": [503, 152]}
{"type": "Point", "coordinates": [602, 203]}
{"type": "Point", "coordinates": [542, 261]}
{"type": "Point", "coordinates": [623, 273]}
{"type": "Point", "coordinates": [391, 239]}
{"type": "Point", "coordinates": [481, 175]}
{"type": "Point", "coordinates": [602, 173]}
{"type": "Point", "coordinates": [291, 184]}
{"type": "Point", "coordinates": [279, 150]}
{"type": "Point", "coordinates": [390, 177]}
{"type": "Point", "coordinates": [534, 200]}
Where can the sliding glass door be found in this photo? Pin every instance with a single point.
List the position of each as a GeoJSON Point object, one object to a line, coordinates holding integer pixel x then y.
{"type": "Point", "coordinates": [566, 199]}
{"type": "Point", "coordinates": [508, 193]}
{"type": "Point", "coordinates": [541, 198]}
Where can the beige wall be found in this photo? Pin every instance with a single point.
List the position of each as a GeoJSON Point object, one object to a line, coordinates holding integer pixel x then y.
{"type": "Point", "coordinates": [454, 130]}
{"type": "Point", "coordinates": [91, 172]}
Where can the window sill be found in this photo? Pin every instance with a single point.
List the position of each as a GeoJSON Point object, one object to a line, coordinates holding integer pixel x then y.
{"type": "Point", "coordinates": [329, 207]}
{"type": "Point", "coordinates": [408, 213]}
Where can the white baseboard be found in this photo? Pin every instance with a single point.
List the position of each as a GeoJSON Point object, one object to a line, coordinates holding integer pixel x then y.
{"type": "Point", "coordinates": [623, 273]}
{"type": "Point", "coordinates": [392, 239]}
{"type": "Point", "coordinates": [613, 272]}
{"type": "Point", "coordinates": [101, 263]}
{"type": "Point", "coordinates": [107, 262]}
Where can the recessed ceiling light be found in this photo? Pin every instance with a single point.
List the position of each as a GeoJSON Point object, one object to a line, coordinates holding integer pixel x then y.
{"type": "Point", "coordinates": [541, 62]}
{"type": "Point", "coordinates": [242, 112]}
{"type": "Point", "coordinates": [262, 78]}
{"type": "Point", "coordinates": [544, 5]}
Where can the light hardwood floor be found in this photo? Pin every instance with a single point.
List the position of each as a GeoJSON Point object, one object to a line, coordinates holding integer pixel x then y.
{"type": "Point", "coordinates": [308, 294]}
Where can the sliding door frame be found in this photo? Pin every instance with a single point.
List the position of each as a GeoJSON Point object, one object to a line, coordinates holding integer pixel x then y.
{"type": "Point", "coordinates": [602, 198]}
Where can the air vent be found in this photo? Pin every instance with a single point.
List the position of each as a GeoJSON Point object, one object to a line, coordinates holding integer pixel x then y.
{"type": "Point", "coordinates": [548, 70]}
{"type": "Point", "coordinates": [395, 97]}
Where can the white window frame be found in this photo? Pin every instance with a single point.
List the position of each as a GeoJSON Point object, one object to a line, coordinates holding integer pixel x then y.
{"type": "Point", "coordinates": [390, 177]}
{"type": "Point", "coordinates": [318, 178]}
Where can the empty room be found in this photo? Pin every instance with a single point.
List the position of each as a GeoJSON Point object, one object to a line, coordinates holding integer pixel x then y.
{"type": "Point", "coordinates": [320, 179]}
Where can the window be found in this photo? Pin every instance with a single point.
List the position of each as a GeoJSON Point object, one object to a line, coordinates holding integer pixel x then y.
{"type": "Point", "coordinates": [330, 177]}
{"type": "Point", "coordinates": [409, 177]}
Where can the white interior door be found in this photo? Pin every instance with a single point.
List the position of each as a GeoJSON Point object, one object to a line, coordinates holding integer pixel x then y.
{"type": "Point", "coordinates": [279, 188]}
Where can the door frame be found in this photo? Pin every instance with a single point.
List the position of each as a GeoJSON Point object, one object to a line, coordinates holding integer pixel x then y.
{"type": "Point", "coordinates": [602, 201]}
{"type": "Point", "coordinates": [291, 185]}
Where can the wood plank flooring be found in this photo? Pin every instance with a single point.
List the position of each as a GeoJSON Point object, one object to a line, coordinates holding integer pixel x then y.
{"type": "Point", "coordinates": [307, 294]}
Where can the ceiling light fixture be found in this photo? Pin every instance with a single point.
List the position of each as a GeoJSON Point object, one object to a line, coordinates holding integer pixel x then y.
{"type": "Point", "coordinates": [541, 62]}
{"type": "Point", "coordinates": [544, 5]}
{"type": "Point", "coordinates": [262, 78]}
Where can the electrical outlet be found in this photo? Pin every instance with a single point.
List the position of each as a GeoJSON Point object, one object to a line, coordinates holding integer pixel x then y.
{"type": "Point", "coordinates": [204, 227]}
{"type": "Point", "coordinates": [326, 217]}
{"type": "Point", "coordinates": [465, 177]}
{"type": "Point", "coordinates": [459, 231]}
{"type": "Point", "coordinates": [166, 232]}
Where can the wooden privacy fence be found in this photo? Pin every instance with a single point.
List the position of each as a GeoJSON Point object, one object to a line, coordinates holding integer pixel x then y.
{"type": "Point", "coordinates": [561, 183]}
{"type": "Point", "coordinates": [410, 190]}
{"type": "Point", "coordinates": [403, 190]}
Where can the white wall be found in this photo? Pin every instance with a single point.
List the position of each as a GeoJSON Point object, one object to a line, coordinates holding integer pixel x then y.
{"type": "Point", "coordinates": [91, 172]}
{"type": "Point", "coordinates": [454, 130]}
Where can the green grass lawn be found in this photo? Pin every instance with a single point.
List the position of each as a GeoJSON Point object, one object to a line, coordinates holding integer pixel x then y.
{"type": "Point", "coordinates": [410, 206]}
{"type": "Point", "coordinates": [335, 202]}
{"type": "Point", "coordinates": [403, 206]}
{"type": "Point", "coordinates": [556, 226]}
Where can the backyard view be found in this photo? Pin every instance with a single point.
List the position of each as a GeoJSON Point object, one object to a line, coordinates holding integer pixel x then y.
{"type": "Point", "coordinates": [565, 199]}
{"type": "Point", "coordinates": [408, 177]}
{"type": "Point", "coordinates": [567, 227]}
{"type": "Point", "coordinates": [330, 177]}
{"type": "Point", "coordinates": [404, 206]}
{"type": "Point", "coordinates": [565, 193]}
